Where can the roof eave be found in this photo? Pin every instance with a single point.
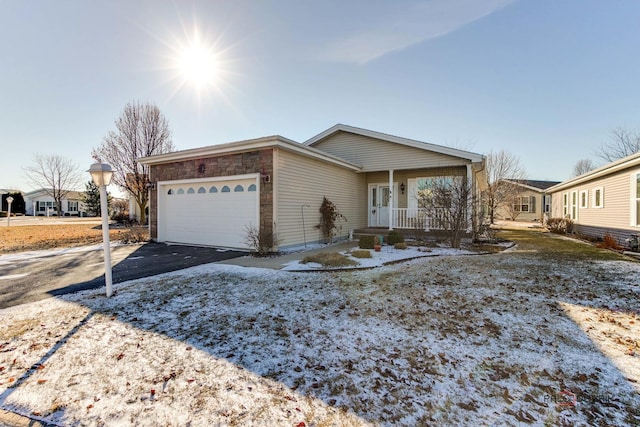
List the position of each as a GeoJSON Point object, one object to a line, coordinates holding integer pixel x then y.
{"type": "Point", "coordinates": [619, 165]}
{"type": "Point", "coordinates": [244, 146]}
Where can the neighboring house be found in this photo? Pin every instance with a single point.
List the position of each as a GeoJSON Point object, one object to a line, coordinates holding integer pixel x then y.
{"type": "Point", "coordinates": [134, 209]}
{"type": "Point", "coordinates": [40, 203]}
{"type": "Point", "coordinates": [211, 195]}
{"type": "Point", "coordinates": [531, 203]}
{"type": "Point", "coordinates": [605, 200]}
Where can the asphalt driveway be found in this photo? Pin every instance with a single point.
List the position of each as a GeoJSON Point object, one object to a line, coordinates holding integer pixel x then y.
{"type": "Point", "coordinates": [31, 278]}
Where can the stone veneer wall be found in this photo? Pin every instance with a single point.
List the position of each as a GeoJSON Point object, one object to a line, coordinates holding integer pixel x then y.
{"type": "Point", "coordinates": [226, 165]}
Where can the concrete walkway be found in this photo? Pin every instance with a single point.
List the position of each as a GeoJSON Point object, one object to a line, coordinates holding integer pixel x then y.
{"type": "Point", "coordinates": [278, 262]}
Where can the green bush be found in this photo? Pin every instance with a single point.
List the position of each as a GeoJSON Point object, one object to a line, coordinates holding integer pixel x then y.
{"type": "Point", "coordinates": [366, 242]}
{"type": "Point", "coordinates": [400, 245]}
{"type": "Point", "coordinates": [395, 237]}
{"type": "Point", "coordinates": [363, 253]}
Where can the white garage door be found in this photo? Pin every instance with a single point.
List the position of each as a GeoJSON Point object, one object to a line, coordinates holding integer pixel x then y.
{"type": "Point", "coordinates": [214, 213]}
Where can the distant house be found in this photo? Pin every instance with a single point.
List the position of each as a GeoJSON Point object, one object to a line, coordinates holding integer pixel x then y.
{"type": "Point", "coordinates": [530, 203]}
{"type": "Point", "coordinates": [605, 200]}
{"type": "Point", "coordinates": [40, 203]}
{"type": "Point", "coordinates": [212, 195]}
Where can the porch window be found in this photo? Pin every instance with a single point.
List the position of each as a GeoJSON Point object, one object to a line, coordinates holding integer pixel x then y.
{"type": "Point", "coordinates": [421, 189]}
{"type": "Point", "coordinates": [574, 205]}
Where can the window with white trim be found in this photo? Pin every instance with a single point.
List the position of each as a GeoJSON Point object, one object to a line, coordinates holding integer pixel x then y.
{"type": "Point", "coordinates": [637, 200]}
{"type": "Point", "coordinates": [598, 197]}
{"type": "Point", "coordinates": [525, 204]}
{"type": "Point", "coordinates": [44, 206]}
{"type": "Point", "coordinates": [574, 205]}
{"type": "Point", "coordinates": [584, 199]}
{"type": "Point", "coordinates": [565, 205]}
{"type": "Point", "coordinates": [420, 189]}
{"type": "Point", "coordinates": [547, 203]}
{"type": "Point", "coordinates": [73, 206]}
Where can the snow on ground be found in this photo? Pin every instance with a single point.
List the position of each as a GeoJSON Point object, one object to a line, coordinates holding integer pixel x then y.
{"type": "Point", "coordinates": [504, 339]}
{"type": "Point", "coordinates": [387, 254]}
{"type": "Point", "coordinates": [28, 255]}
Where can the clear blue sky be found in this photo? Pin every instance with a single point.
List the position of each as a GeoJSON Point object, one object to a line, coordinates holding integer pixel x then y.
{"type": "Point", "coordinates": [545, 80]}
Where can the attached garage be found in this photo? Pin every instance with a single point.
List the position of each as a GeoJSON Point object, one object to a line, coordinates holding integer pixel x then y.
{"type": "Point", "coordinates": [209, 196]}
{"type": "Point", "coordinates": [212, 212]}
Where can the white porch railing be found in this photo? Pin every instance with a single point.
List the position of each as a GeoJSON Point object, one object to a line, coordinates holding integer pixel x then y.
{"type": "Point", "coordinates": [416, 218]}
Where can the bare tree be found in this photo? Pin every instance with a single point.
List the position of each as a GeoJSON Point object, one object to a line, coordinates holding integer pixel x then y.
{"type": "Point", "coordinates": [623, 143]}
{"type": "Point", "coordinates": [583, 166]}
{"type": "Point", "coordinates": [142, 131]}
{"type": "Point", "coordinates": [56, 175]}
{"type": "Point", "coordinates": [503, 171]}
{"type": "Point", "coordinates": [446, 203]}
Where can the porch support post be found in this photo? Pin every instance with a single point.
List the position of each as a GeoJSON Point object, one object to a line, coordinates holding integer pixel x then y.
{"type": "Point", "coordinates": [470, 197]}
{"type": "Point", "coordinates": [391, 197]}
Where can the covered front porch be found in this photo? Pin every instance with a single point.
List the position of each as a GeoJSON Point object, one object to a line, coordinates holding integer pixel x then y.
{"type": "Point", "coordinates": [393, 198]}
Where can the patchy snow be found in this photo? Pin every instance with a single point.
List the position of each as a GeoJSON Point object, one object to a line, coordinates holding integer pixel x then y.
{"type": "Point", "coordinates": [29, 255]}
{"type": "Point", "coordinates": [386, 255]}
{"type": "Point", "coordinates": [504, 339]}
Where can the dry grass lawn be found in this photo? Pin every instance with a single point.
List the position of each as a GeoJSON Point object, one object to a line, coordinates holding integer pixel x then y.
{"type": "Point", "coordinates": [544, 334]}
{"type": "Point", "coordinates": [38, 237]}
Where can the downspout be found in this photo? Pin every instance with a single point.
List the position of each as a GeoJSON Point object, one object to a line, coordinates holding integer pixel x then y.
{"type": "Point", "coordinates": [304, 231]}
{"type": "Point", "coordinates": [390, 203]}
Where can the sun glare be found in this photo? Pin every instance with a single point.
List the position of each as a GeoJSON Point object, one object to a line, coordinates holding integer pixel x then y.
{"type": "Point", "coordinates": [198, 65]}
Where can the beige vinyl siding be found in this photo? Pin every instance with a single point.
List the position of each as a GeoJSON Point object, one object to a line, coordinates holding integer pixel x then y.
{"type": "Point", "coordinates": [616, 209]}
{"type": "Point", "coordinates": [374, 154]}
{"type": "Point", "coordinates": [301, 180]}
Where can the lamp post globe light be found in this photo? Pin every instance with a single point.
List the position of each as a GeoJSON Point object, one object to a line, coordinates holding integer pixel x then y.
{"type": "Point", "coordinates": [9, 201]}
{"type": "Point", "coordinates": [101, 174]}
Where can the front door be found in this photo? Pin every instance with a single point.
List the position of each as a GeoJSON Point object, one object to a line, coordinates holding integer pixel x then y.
{"type": "Point", "coordinates": [379, 206]}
